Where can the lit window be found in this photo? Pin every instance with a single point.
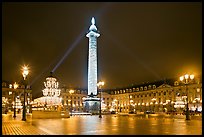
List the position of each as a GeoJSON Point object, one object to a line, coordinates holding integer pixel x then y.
{"type": "Point", "coordinates": [145, 88]}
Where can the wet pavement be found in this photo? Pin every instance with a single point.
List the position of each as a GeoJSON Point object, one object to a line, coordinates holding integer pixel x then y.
{"type": "Point", "coordinates": [11, 126]}
{"type": "Point", "coordinates": [120, 125]}
{"type": "Point", "coordinates": [110, 125]}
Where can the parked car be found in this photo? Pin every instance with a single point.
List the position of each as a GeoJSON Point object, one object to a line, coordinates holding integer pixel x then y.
{"type": "Point", "coordinates": [131, 112]}
{"type": "Point", "coordinates": [149, 112]}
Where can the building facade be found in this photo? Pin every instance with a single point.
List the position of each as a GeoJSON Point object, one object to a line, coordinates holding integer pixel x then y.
{"type": "Point", "coordinates": [73, 101]}
{"type": "Point", "coordinates": [161, 96]}
{"type": "Point", "coordinates": [15, 97]}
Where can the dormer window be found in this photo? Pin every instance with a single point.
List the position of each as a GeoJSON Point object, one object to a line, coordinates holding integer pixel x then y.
{"type": "Point", "coordinates": [176, 83]}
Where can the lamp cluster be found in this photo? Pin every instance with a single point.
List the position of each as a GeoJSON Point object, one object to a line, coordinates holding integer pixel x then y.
{"type": "Point", "coordinates": [51, 87]}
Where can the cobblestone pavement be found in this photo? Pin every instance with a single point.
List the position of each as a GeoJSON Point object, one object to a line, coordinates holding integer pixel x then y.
{"type": "Point", "coordinates": [11, 126]}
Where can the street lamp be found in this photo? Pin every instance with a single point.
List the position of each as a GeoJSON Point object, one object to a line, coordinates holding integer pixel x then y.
{"type": "Point", "coordinates": [100, 84]}
{"type": "Point", "coordinates": [71, 92]}
{"type": "Point", "coordinates": [168, 105]}
{"type": "Point", "coordinates": [186, 79]}
{"type": "Point", "coordinates": [15, 87]}
{"type": "Point", "coordinates": [24, 73]}
{"type": "Point", "coordinates": [154, 100]}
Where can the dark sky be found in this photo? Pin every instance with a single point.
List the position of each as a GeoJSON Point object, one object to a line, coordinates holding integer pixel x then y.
{"type": "Point", "coordinates": [139, 42]}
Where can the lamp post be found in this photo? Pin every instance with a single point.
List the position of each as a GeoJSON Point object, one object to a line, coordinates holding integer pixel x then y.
{"type": "Point", "coordinates": [100, 84]}
{"type": "Point", "coordinates": [197, 101]}
{"type": "Point", "coordinates": [154, 100]}
{"type": "Point", "coordinates": [15, 87]}
{"type": "Point", "coordinates": [186, 79]}
{"type": "Point", "coordinates": [24, 73]}
{"type": "Point", "coordinates": [71, 92]}
{"type": "Point", "coordinates": [168, 105]}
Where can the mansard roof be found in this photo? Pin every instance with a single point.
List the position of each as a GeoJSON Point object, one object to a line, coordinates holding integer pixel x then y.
{"type": "Point", "coordinates": [160, 83]}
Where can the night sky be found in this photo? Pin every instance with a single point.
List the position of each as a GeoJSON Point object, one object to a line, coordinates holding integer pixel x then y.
{"type": "Point", "coordinates": [139, 42]}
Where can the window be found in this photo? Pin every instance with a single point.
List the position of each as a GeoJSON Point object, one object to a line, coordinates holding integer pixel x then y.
{"type": "Point", "coordinates": [164, 93]}
{"type": "Point", "coordinates": [176, 83]}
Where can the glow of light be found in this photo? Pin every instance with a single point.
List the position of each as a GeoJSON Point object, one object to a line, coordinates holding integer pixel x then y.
{"type": "Point", "coordinates": [156, 103]}
{"type": "Point", "coordinates": [167, 101]}
{"type": "Point", "coordinates": [51, 87]}
{"type": "Point", "coordinates": [71, 91]}
{"type": "Point", "coordinates": [181, 78]}
{"type": "Point", "coordinates": [10, 85]}
{"type": "Point", "coordinates": [191, 76]}
{"type": "Point", "coordinates": [25, 71]}
{"type": "Point", "coordinates": [154, 99]}
{"type": "Point", "coordinates": [69, 50]}
{"type": "Point", "coordinates": [15, 85]}
{"type": "Point", "coordinates": [186, 76]}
